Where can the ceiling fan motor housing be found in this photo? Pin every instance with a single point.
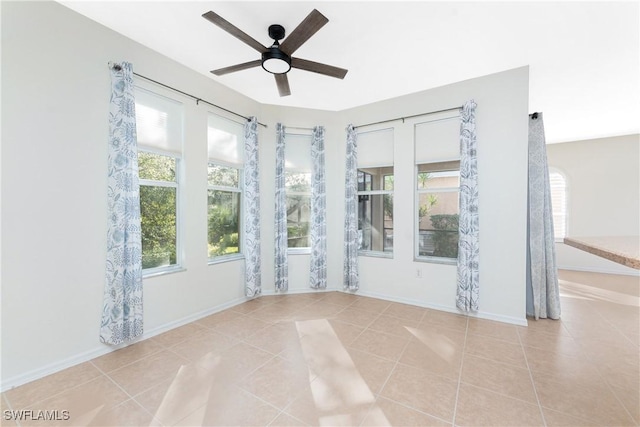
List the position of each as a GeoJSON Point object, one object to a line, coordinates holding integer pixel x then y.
{"type": "Point", "coordinates": [276, 32]}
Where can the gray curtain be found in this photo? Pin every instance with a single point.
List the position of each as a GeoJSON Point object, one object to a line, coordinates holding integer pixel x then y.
{"type": "Point", "coordinates": [318, 262]}
{"type": "Point", "coordinates": [350, 270]}
{"type": "Point", "coordinates": [122, 318]}
{"type": "Point", "coordinates": [543, 294]}
{"type": "Point", "coordinates": [253, 286]}
{"type": "Point", "coordinates": [281, 262]}
{"type": "Point", "coordinates": [468, 277]}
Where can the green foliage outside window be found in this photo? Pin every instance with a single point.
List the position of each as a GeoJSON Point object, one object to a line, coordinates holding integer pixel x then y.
{"type": "Point", "coordinates": [445, 237]}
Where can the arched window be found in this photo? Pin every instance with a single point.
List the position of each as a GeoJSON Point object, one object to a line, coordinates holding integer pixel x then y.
{"type": "Point", "coordinates": [558, 203]}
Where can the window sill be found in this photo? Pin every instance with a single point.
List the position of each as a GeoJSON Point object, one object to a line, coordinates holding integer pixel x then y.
{"type": "Point", "coordinates": [162, 271]}
{"type": "Point", "coordinates": [299, 251]}
{"type": "Point", "coordinates": [376, 254]}
{"type": "Point", "coordinates": [225, 258]}
{"type": "Point", "coordinates": [436, 260]}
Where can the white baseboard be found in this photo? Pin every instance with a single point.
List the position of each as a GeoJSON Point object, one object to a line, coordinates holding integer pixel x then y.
{"type": "Point", "coordinates": [449, 309]}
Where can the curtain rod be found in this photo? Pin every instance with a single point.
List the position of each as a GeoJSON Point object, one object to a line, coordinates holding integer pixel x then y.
{"type": "Point", "coordinates": [410, 117]}
{"type": "Point", "coordinates": [198, 100]}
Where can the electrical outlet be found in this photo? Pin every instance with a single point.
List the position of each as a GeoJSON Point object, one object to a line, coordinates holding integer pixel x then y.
{"type": "Point", "coordinates": [418, 272]}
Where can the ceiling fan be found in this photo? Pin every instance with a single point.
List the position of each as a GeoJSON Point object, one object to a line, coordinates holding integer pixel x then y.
{"type": "Point", "coordinates": [277, 59]}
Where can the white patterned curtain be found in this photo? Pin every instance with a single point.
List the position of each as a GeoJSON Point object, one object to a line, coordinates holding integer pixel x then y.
{"type": "Point", "coordinates": [543, 295]}
{"type": "Point", "coordinates": [468, 251]}
{"type": "Point", "coordinates": [350, 269]}
{"type": "Point", "coordinates": [253, 286]}
{"type": "Point", "coordinates": [318, 262]}
{"type": "Point", "coordinates": [122, 318]}
{"type": "Point", "coordinates": [281, 262]}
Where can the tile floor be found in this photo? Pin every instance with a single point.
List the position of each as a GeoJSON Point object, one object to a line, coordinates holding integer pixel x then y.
{"type": "Point", "coordinates": [336, 359]}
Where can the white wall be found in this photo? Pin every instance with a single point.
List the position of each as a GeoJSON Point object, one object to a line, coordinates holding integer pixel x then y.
{"type": "Point", "coordinates": [501, 118]}
{"type": "Point", "coordinates": [603, 195]}
{"type": "Point", "coordinates": [55, 86]}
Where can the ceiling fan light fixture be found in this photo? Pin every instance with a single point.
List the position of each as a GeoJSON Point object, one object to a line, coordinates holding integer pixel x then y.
{"type": "Point", "coordinates": [276, 61]}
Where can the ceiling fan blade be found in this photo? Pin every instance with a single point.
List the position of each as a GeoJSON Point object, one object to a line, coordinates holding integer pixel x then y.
{"type": "Point", "coordinates": [308, 27]}
{"type": "Point", "coordinates": [233, 30]}
{"type": "Point", "coordinates": [283, 84]}
{"type": "Point", "coordinates": [237, 67]}
{"type": "Point", "coordinates": [317, 67]}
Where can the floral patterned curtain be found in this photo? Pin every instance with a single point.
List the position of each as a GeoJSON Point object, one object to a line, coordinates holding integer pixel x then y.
{"type": "Point", "coordinates": [468, 248]}
{"type": "Point", "coordinates": [122, 318]}
{"type": "Point", "coordinates": [350, 270]}
{"type": "Point", "coordinates": [281, 263]}
{"type": "Point", "coordinates": [542, 278]}
{"type": "Point", "coordinates": [253, 286]}
{"type": "Point", "coordinates": [318, 262]}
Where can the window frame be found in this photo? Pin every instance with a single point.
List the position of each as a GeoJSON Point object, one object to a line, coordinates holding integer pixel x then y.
{"type": "Point", "coordinates": [178, 266]}
{"type": "Point", "coordinates": [240, 190]}
{"type": "Point", "coordinates": [555, 170]}
{"type": "Point", "coordinates": [361, 193]}
{"type": "Point", "coordinates": [446, 167]}
{"type": "Point", "coordinates": [306, 250]}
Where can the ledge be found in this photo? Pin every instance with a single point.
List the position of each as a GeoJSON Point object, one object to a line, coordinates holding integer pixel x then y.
{"type": "Point", "coordinates": [624, 250]}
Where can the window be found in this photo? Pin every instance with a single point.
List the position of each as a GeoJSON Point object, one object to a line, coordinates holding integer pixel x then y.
{"type": "Point", "coordinates": [375, 192]}
{"type": "Point", "coordinates": [437, 188]}
{"type": "Point", "coordinates": [224, 194]}
{"type": "Point", "coordinates": [297, 163]}
{"type": "Point", "coordinates": [159, 130]}
{"type": "Point", "coordinates": [558, 204]}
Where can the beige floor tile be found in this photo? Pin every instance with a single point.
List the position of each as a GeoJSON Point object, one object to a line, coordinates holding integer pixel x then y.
{"type": "Point", "coordinates": [7, 418]}
{"type": "Point", "coordinates": [498, 350]}
{"type": "Point", "coordinates": [252, 305]}
{"type": "Point", "coordinates": [558, 419]}
{"type": "Point", "coordinates": [188, 390]}
{"type": "Point", "coordinates": [388, 413]}
{"type": "Point", "coordinates": [395, 326]}
{"type": "Point", "coordinates": [372, 369]}
{"type": "Point", "coordinates": [215, 319]}
{"type": "Point", "coordinates": [38, 390]}
{"type": "Point", "coordinates": [357, 317]}
{"type": "Point", "coordinates": [235, 362]}
{"type": "Point", "coordinates": [630, 399]}
{"type": "Point", "coordinates": [286, 420]}
{"type": "Point", "coordinates": [418, 389]}
{"type": "Point", "coordinates": [346, 332]}
{"type": "Point", "coordinates": [275, 313]}
{"type": "Point", "coordinates": [318, 310]}
{"type": "Point", "coordinates": [176, 335]}
{"type": "Point", "coordinates": [547, 326]}
{"type": "Point", "coordinates": [578, 370]}
{"type": "Point", "coordinates": [384, 345]}
{"type": "Point", "coordinates": [148, 372]}
{"type": "Point", "coordinates": [339, 298]}
{"type": "Point", "coordinates": [499, 377]}
{"type": "Point", "coordinates": [127, 355]}
{"type": "Point", "coordinates": [203, 342]}
{"type": "Point", "coordinates": [437, 356]}
{"type": "Point", "coordinates": [450, 320]}
{"type": "Point", "coordinates": [275, 338]}
{"type": "Point", "coordinates": [241, 327]}
{"type": "Point", "coordinates": [596, 403]}
{"type": "Point", "coordinates": [231, 407]}
{"type": "Point", "coordinates": [405, 311]}
{"type": "Point", "coordinates": [558, 343]}
{"type": "Point", "coordinates": [83, 403]}
{"type": "Point", "coordinates": [278, 381]}
{"type": "Point", "coordinates": [370, 304]}
{"type": "Point", "coordinates": [127, 414]}
{"type": "Point", "coordinates": [480, 407]}
{"type": "Point", "coordinates": [489, 328]}
{"type": "Point", "coordinates": [333, 401]}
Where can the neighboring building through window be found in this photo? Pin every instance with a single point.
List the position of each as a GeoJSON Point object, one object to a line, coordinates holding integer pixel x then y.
{"type": "Point", "coordinates": [437, 187]}
{"type": "Point", "coordinates": [159, 125]}
{"type": "Point", "coordinates": [224, 194]}
{"type": "Point", "coordinates": [375, 192]}
{"type": "Point", "coordinates": [558, 186]}
{"type": "Point", "coordinates": [297, 160]}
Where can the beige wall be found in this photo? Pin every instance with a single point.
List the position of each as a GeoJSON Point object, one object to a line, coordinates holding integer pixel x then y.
{"type": "Point", "coordinates": [603, 194]}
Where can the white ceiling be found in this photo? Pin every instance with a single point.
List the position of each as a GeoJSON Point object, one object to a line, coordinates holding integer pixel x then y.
{"type": "Point", "coordinates": [583, 56]}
